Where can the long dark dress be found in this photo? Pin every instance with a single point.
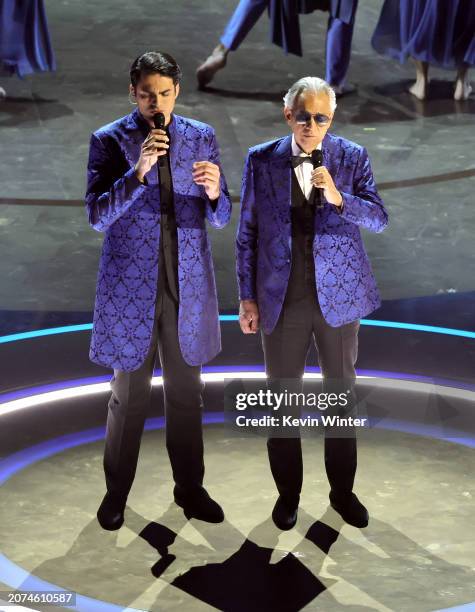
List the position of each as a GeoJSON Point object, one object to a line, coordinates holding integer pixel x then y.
{"type": "Point", "coordinates": [440, 32]}
{"type": "Point", "coordinates": [25, 44]}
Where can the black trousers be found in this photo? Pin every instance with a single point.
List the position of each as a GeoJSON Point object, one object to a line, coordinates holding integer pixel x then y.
{"type": "Point", "coordinates": [130, 400]}
{"type": "Point", "coordinates": [285, 351]}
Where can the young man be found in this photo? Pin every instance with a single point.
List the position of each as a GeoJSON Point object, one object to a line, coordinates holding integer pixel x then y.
{"type": "Point", "coordinates": [303, 273]}
{"type": "Point", "coordinates": [151, 191]}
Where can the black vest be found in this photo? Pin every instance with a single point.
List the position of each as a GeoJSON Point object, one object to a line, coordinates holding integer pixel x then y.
{"type": "Point", "coordinates": [302, 273]}
{"type": "Point", "coordinates": [168, 255]}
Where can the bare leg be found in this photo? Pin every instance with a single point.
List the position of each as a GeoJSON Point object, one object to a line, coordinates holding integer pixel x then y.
{"type": "Point", "coordinates": [462, 83]}
{"type": "Point", "coordinates": [419, 88]}
{"type": "Point", "coordinates": [245, 16]}
{"type": "Point", "coordinates": [211, 65]}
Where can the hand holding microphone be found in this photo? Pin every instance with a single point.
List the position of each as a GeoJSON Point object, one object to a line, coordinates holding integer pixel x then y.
{"type": "Point", "coordinates": [322, 179]}
{"type": "Point", "coordinates": [154, 147]}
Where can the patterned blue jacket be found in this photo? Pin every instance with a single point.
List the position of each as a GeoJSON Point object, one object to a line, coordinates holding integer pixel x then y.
{"type": "Point", "coordinates": [129, 214]}
{"type": "Point", "coordinates": [346, 287]}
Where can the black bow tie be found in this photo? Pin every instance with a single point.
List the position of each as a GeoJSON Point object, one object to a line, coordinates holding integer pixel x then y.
{"type": "Point", "coordinates": [296, 160]}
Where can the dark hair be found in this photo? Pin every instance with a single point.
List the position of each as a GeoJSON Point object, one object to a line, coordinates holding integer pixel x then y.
{"type": "Point", "coordinates": [154, 62]}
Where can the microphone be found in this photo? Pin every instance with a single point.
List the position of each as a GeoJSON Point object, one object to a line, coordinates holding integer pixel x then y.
{"type": "Point", "coordinates": [159, 123]}
{"type": "Point", "coordinates": [317, 158]}
{"type": "Point", "coordinates": [317, 161]}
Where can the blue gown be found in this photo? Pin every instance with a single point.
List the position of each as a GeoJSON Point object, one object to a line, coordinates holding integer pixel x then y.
{"type": "Point", "coordinates": [285, 29]}
{"type": "Point", "coordinates": [440, 32]}
{"type": "Point", "coordinates": [25, 45]}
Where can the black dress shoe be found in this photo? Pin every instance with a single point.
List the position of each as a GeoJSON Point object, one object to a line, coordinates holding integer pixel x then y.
{"type": "Point", "coordinates": [284, 514]}
{"type": "Point", "coordinates": [352, 511]}
{"type": "Point", "coordinates": [111, 513]}
{"type": "Point", "coordinates": [198, 504]}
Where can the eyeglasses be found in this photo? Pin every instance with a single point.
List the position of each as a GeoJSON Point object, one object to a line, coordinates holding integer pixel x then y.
{"type": "Point", "coordinates": [305, 118]}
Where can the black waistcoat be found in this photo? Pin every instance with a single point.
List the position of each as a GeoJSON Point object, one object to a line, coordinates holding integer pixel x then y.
{"type": "Point", "coordinates": [302, 273]}
{"type": "Point", "coordinates": [168, 256]}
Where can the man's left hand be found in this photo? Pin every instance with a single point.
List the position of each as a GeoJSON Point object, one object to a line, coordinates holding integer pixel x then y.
{"type": "Point", "coordinates": [322, 179]}
{"type": "Point", "coordinates": [207, 174]}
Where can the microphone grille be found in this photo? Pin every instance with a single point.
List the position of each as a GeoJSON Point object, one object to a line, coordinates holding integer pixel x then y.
{"type": "Point", "coordinates": [317, 158]}
{"type": "Point", "coordinates": [159, 121]}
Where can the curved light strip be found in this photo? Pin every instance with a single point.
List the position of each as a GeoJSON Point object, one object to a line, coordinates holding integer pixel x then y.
{"type": "Point", "coordinates": [37, 396]}
{"type": "Point", "coordinates": [16, 577]}
{"type": "Point", "coordinates": [448, 331]}
{"type": "Point", "coordinates": [66, 329]}
{"type": "Point", "coordinates": [252, 371]}
{"type": "Point", "coordinates": [73, 389]}
{"type": "Point", "coordinates": [51, 331]}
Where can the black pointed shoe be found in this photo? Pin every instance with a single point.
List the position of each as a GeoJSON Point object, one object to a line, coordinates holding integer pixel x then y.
{"type": "Point", "coordinates": [198, 504]}
{"type": "Point", "coordinates": [352, 511]}
{"type": "Point", "coordinates": [284, 514]}
{"type": "Point", "coordinates": [111, 513]}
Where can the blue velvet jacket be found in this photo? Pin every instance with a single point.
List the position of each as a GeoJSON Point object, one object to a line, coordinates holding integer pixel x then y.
{"type": "Point", "coordinates": [346, 287]}
{"type": "Point", "coordinates": [128, 212]}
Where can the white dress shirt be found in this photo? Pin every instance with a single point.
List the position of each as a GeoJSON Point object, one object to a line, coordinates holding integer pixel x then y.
{"type": "Point", "coordinates": [303, 172]}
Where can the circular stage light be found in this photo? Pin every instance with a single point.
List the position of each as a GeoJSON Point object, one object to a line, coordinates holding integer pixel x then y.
{"type": "Point", "coordinates": [17, 578]}
{"type": "Point", "coordinates": [66, 329]}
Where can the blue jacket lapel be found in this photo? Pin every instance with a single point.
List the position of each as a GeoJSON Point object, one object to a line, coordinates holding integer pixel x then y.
{"type": "Point", "coordinates": [138, 129]}
{"type": "Point", "coordinates": [331, 155]}
{"type": "Point", "coordinates": [281, 178]}
{"type": "Point", "coordinates": [281, 167]}
{"type": "Point", "coordinates": [176, 131]}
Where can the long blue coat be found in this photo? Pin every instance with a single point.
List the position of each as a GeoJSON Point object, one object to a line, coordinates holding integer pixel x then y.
{"type": "Point", "coordinates": [346, 287]}
{"type": "Point", "coordinates": [129, 214]}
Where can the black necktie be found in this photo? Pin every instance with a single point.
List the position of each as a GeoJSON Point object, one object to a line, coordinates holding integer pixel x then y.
{"type": "Point", "coordinates": [296, 160]}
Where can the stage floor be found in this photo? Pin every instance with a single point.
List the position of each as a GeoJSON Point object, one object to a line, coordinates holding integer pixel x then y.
{"type": "Point", "coordinates": [416, 554]}
{"type": "Point", "coordinates": [415, 474]}
{"type": "Point", "coordinates": [421, 152]}
{"type": "Point", "coordinates": [417, 352]}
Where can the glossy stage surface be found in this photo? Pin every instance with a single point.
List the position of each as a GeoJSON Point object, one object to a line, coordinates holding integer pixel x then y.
{"type": "Point", "coordinates": [416, 462]}
{"type": "Point", "coordinates": [416, 353]}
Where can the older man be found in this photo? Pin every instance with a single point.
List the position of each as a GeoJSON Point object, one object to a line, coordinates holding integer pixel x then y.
{"type": "Point", "coordinates": [150, 190]}
{"type": "Point", "coordinates": [303, 273]}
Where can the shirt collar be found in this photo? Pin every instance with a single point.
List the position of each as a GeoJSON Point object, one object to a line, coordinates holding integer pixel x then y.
{"type": "Point", "coordinates": [296, 150]}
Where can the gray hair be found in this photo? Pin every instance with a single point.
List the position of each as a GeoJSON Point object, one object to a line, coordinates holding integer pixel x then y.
{"type": "Point", "coordinates": [313, 84]}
